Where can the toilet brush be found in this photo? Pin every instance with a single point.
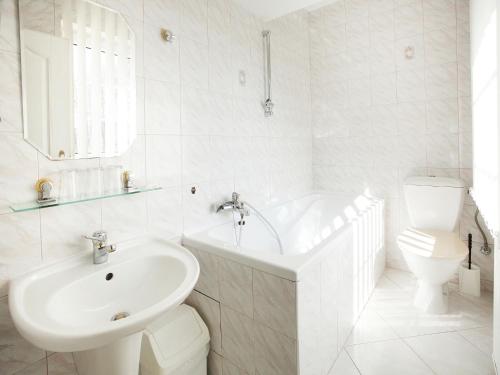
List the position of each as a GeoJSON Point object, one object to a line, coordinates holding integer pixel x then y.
{"type": "Point", "coordinates": [469, 275]}
{"type": "Point", "coordinates": [470, 250]}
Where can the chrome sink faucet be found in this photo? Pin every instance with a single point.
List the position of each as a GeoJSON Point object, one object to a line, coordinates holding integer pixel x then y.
{"type": "Point", "coordinates": [101, 248]}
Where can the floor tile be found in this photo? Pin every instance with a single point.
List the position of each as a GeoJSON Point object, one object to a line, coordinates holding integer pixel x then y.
{"type": "Point", "coordinates": [405, 280]}
{"type": "Point", "coordinates": [370, 328]}
{"type": "Point", "coordinates": [37, 368]}
{"type": "Point", "coordinates": [61, 364]}
{"type": "Point", "coordinates": [450, 353]}
{"type": "Point", "coordinates": [387, 358]}
{"type": "Point", "coordinates": [458, 342]}
{"type": "Point", "coordinates": [481, 338]}
{"type": "Point", "coordinates": [344, 365]}
{"type": "Point", "coordinates": [396, 308]}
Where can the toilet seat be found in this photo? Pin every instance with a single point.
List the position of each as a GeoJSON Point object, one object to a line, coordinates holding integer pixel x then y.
{"type": "Point", "coordinates": [431, 243]}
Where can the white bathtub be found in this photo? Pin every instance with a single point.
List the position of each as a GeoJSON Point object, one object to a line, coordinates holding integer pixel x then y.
{"type": "Point", "coordinates": [305, 226]}
{"type": "Point", "coordinates": [290, 312]}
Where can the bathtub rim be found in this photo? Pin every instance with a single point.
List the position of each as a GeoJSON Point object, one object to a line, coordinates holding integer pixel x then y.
{"type": "Point", "coordinates": [290, 267]}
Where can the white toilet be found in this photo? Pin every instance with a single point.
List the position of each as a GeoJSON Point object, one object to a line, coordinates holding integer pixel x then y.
{"type": "Point", "coordinates": [431, 248]}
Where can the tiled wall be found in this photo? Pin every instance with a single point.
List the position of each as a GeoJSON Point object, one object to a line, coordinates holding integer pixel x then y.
{"type": "Point", "coordinates": [198, 126]}
{"type": "Point", "coordinates": [251, 316]}
{"type": "Point", "coordinates": [378, 116]}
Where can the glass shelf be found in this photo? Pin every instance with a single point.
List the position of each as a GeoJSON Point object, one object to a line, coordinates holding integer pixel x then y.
{"type": "Point", "coordinates": [34, 205]}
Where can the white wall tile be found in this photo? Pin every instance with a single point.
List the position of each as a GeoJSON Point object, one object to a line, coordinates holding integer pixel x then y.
{"type": "Point", "coordinates": [411, 117]}
{"type": "Point", "coordinates": [9, 26]}
{"type": "Point", "coordinates": [235, 284]}
{"type": "Point", "coordinates": [442, 116]}
{"type": "Point", "coordinates": [464, 80]}
{"type": "Point", "coordinates": [194, 63]}
{"type": "Point", "coordinates": [274, 303]}
{"type": "Point", "coordinates": [384, 89]}
{"type": "Point", "coordinates": [359, 93]}
{"type": "Point", "coordinates": [163, 160]}
{"type": "Point", "coordinates": [20, 244]}
{"type": "Point", "coordinates": [162, 13]}
{"type": "Point", "coordinates": [382, 57]}
{"type": "Point", "coordinates": [210, 312]}
{"type": "Point", "coordinates": [335, 13]}
{"type": "Point", "coordinates": [409, 18]}
{"type": "Point", "coordinates": [275, 353]}
{"type": "Point", "coordinates": [357, 10]}
{"type": "Point", "coordinates": [442, 151]}
{"type": "Point", "coordinates": [416, 43]}
{"type": "Point", "coordinates": [194, 19]}
{"type": "Point", "coordinates": [208, 281]}
{"type": "Point", "coordinates": [439, 14]}
{"type": "Point", "coordinates": [10, 88]}
{"type": "Point", "coordinates": [441, 46]}
{"type": "Point", "coordinates": [466, 156]}
{"type": "Point", "coordinates": [441, 81]}
{"type": "Point", "coordinates": [219, 60]}
{"type": "Point", "coordinates": [63, 229]}
{"type": "Point", "coordinates": [238, 335]}
{"type": "Point", "coordinates": [411, 85]}
{"type": "Point", "coordinates": [465, 113]}
{"type": "Point", "coordinates": [19, 170]}
{"type": "Point", "coordinates": [196, 159]}
{"type": "Point", "coordinates": [124, 218]}
{"type": "Point", "coordinates": [165, 212]}
{"type": "Point", "coordinates": [162, 107]}
{"type": "Point", "coordinates": [161, 59]}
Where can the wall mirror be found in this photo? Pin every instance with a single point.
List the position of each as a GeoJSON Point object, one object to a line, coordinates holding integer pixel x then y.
{"type": "Point", "coordinates": [78, 79]}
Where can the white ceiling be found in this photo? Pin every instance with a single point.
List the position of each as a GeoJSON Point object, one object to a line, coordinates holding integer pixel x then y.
{"type": "Point", "coordinates": [269, 9]}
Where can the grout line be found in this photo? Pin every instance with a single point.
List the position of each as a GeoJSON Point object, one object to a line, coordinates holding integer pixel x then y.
{"type": "Point", "coordinates": [418, 356]}
{"type": "Point", "coordinates": [374, 341]}
{"type": "Point", "coordinates": [472, 343]}
{"type": "Point", "coordinates": [353, 362]}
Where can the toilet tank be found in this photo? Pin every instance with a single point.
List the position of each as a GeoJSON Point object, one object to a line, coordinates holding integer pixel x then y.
{"type": "Point", "coordinates": [434, 202]}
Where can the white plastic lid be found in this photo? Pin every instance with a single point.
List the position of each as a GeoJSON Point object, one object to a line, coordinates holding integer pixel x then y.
{"type": "Point", "coordinates": [435, 181]}
{"type": "Point", "coordinates": [177, 336]}
{"type": "Point", "coordinates": [432, 243]}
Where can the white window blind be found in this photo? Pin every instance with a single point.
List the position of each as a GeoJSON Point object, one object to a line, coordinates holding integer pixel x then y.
{"type": "Point", "coordinates": [104, 78]}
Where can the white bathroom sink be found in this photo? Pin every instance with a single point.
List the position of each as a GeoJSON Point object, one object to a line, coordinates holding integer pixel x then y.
{"type": "Point", "coordinates": [69, 306]}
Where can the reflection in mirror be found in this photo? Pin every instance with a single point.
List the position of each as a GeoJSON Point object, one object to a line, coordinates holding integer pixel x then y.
{"type": "Point", "coordinates": [78, 79]}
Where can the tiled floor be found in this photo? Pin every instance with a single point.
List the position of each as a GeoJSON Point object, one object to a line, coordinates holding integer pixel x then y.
{"type": "Point", "coordinates": [393, 338]}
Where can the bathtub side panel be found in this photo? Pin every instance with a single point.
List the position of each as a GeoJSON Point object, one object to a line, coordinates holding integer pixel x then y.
{"type": "Point", "coordinates": [309, 322]}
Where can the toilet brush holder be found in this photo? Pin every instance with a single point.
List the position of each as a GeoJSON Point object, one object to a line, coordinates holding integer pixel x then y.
{"type": "Point", "coordinates": [469, 279]}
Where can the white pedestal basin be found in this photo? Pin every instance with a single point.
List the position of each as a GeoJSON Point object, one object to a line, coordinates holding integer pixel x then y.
{"type": "Point", "coordinates": [70, 306]}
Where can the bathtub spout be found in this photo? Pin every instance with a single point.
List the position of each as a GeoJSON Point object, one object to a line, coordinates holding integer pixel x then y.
{"type": "Point", "coordinates": [234, 204]}
{"type": "Point", "coordinates": [239, 206]}
{"type": "Point", "coordinates": [225, 206]}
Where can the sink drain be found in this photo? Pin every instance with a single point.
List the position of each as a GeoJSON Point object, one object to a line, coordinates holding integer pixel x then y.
{"type": "Point", "coordinates": [120, 315]}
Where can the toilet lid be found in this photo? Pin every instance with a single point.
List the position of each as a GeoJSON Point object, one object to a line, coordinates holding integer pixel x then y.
{"type": "Point", "coordinates": [432, 243]}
